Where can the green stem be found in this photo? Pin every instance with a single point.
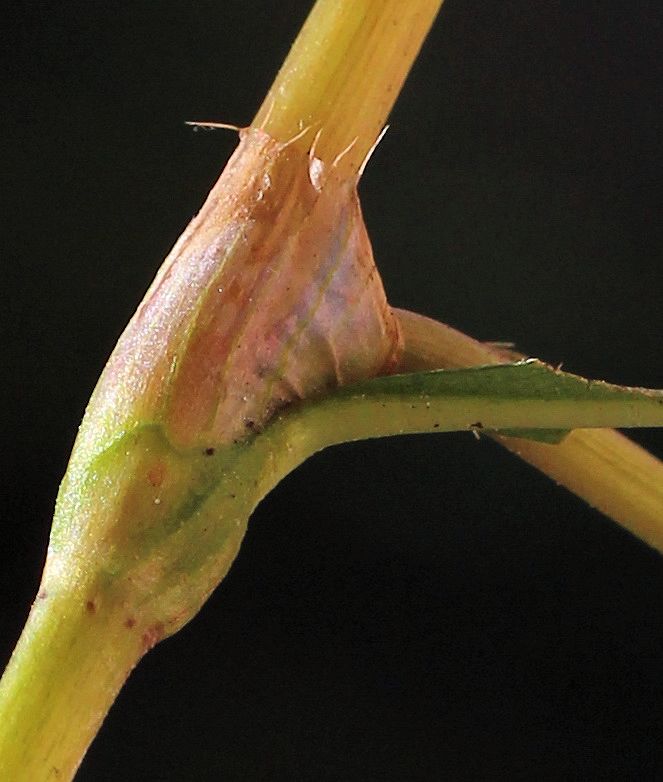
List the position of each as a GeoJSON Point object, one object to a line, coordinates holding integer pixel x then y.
{"type": "Point", "coordinates": [342, 77]}
{"type": "Point", "coordinates": [606, 469]}
{"type": "Point", "coordinates": [517, 397]}
{"type": "Point", "coordinates": [71, 661]}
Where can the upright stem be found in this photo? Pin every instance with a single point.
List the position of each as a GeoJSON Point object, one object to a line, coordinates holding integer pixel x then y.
{"type": "Point", "coordinates": [602, 466]}
{"type": "Point", "coordinates": [72, 659]}
{"type": "Point", "coordinates": [344, 73]}
{"type": "Point", "coordinates": [341, 79]}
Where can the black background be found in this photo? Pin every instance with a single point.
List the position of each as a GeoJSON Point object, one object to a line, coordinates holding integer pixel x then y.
{"type": "Point", "coordinates": [424, 608]}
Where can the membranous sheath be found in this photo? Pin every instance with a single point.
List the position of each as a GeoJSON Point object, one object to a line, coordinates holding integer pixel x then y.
{"type": "Point", "coordinates": [270, 295]}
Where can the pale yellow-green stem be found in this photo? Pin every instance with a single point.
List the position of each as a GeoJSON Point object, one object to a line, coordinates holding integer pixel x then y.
{"type": "Point", "coordinates": [86, 633]}
{"type": "Point", "coordinates": [609, 471]}
{"type": "Point", "coordinates": [150, 518]}
{"type": "Point", "coordinates": [344, 73]}
{"type": "Point", "coordinates": [71, 661]}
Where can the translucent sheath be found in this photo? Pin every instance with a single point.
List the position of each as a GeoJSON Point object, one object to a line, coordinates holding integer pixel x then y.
{"type": "Point", "coordinates": [270, 295]}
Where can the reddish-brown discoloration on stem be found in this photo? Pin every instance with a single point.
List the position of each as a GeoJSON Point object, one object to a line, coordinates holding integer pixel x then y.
{"type": "Point", "coordinates": [156, 474]}
{"type": "Point", "coordinates": [152, 636]}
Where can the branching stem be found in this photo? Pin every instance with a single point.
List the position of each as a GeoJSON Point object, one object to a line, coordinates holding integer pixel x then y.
{"type": "Point", "coordinates": [609, 471]}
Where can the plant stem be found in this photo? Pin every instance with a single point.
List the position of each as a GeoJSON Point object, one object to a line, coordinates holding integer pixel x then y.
{"type": "Point", "coordinates": [65, 673]}
{"type": "Point", "coordinates": [523, 399]}
{"type": "Point", "coordinates": [344, 73]}
{"type": "Point", "coordinates": [609, 471]}
{"type": "Point", "coordinates": [341, 78]}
